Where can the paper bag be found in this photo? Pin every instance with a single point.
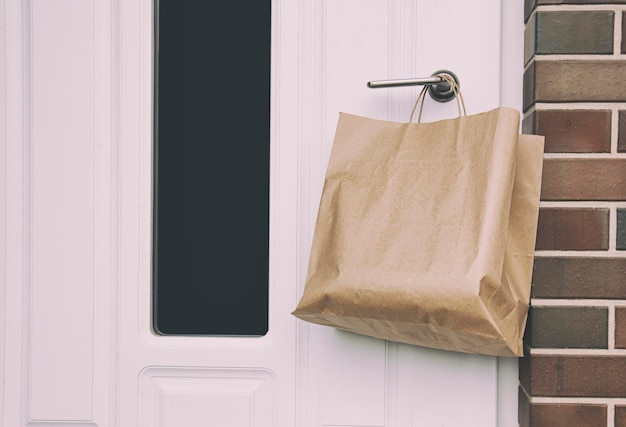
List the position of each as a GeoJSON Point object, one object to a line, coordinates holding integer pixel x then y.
{"type": "Point", "coordinates": [426, 232]}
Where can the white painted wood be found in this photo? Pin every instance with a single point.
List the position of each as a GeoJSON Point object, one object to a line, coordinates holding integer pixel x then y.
{"type": "Point", "coordinates": [63, 259]}
{"type": "Point", "coordinates": [207, 397]}
{"type": "Point", "coordinates": [14, 277]}
{"type": "Point", "coordinates": [3, 199]}
{"type": "Point", "coordinates": [512, 47]}
{"type": "Point", "coordinates": [353, 380]}
{"type": "Point", "coordinates": [451, 388]}
{"type": "Point", "coordinates": [77, 348]}
{"type": "Point", "coordinates": [58, 139]}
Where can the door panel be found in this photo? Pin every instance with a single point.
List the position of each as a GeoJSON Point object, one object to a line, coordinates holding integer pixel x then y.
{"type": "Point", "coordinates": [354, 380]}
{"type": "Point", "coordinates": [205, 397]}
{"type": "Point", "coordinates": [78, 347]}
{"type": "Point", "coordinates": [58, 325]}
{"type": "Point", "coordinates": [63, 225]}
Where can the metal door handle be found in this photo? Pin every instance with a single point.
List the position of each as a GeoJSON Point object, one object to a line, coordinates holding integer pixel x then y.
{"type": "Point", "coordinates": [438, 89]}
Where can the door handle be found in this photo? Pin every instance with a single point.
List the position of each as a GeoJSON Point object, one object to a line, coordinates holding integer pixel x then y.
{"type": "Point", "coordinates": [439, 89]}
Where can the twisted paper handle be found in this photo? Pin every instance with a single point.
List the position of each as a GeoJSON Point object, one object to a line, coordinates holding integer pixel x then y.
{"type": "Point", "coordinates": [422, 96]}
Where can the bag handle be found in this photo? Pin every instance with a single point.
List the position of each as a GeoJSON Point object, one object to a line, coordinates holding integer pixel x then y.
{"type": "Point", "coordinates": [422, 96]}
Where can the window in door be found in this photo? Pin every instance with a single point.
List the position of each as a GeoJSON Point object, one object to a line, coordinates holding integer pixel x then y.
{"type": "Point", "coordinates": [211, 167]}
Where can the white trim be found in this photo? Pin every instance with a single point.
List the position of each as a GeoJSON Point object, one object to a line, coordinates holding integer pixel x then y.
{"type": "Point", "coordinates": [611, 325]}
{"type": "Point", "coordinates": [3, 204]}
{"type": "Point", "coordinates": [511, 95]}
{"type": "Point", "coordinates": [14, 275]}
{"type": "Point", "coordinates": [612, 228]}
{"type": "Point", "coordinates": [610, 414]}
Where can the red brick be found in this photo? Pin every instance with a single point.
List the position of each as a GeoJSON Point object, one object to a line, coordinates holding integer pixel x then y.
{"type": "Point", "coordinates": [574, 81]}
{"type": "Point", "coordinates": [528, 84]}
{"type": "Point", "coordinates": [573, 229]}
{"type": "Point", "coordinates": [579, 277]}
{"type": "Point", "coordinates": [621, 138]}
{"type": "Point", "coordinates": [621, 230]}
{"type": "Point", "coordinates": [530, 39]}
{"type": "Point", "coordinates": [620, 327]}
{"type": "Point", "coordinates": [568, 327]}
{"type": "Point", "coordinates": [542, 2]}
{"type": "Point", "coordinates": [574, 32]}
{"type": "Point", "coordinates": [623, 32]}
{"type": "Point", "coordinates": [523, 408]}
{"type": "Point", "coordinates": [529, 5]}
{"type": "Point", "coordinates": [572, 131]}
{"type": "Point", "coordinates": [584, 179]}
{"type": "Point", "coordinates": [537, 374]}
{"type": "Point", "coordinates": [566, 415]}
{"type": "Point", "coordinates": [620, 416]}
{"type": "Point", "coordinates": [574, 376]}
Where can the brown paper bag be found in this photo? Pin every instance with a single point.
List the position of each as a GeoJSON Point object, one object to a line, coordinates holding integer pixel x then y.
{"type": "Point", "coordinates": [426, 232]}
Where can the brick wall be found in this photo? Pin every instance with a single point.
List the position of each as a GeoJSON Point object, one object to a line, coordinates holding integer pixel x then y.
{"type": "Point", "coordinates": [574, 372]}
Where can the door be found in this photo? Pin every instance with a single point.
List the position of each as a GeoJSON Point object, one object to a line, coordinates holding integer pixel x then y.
{"type": "Point", "coordinates": [78, 343]}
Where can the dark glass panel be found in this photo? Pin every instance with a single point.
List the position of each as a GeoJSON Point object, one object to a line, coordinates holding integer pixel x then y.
{"type": "Point", "coordinates": [211, 180]}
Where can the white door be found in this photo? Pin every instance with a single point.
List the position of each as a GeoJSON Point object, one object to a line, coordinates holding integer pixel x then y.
{"type": "Point", "coordinates": [76, 221]}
